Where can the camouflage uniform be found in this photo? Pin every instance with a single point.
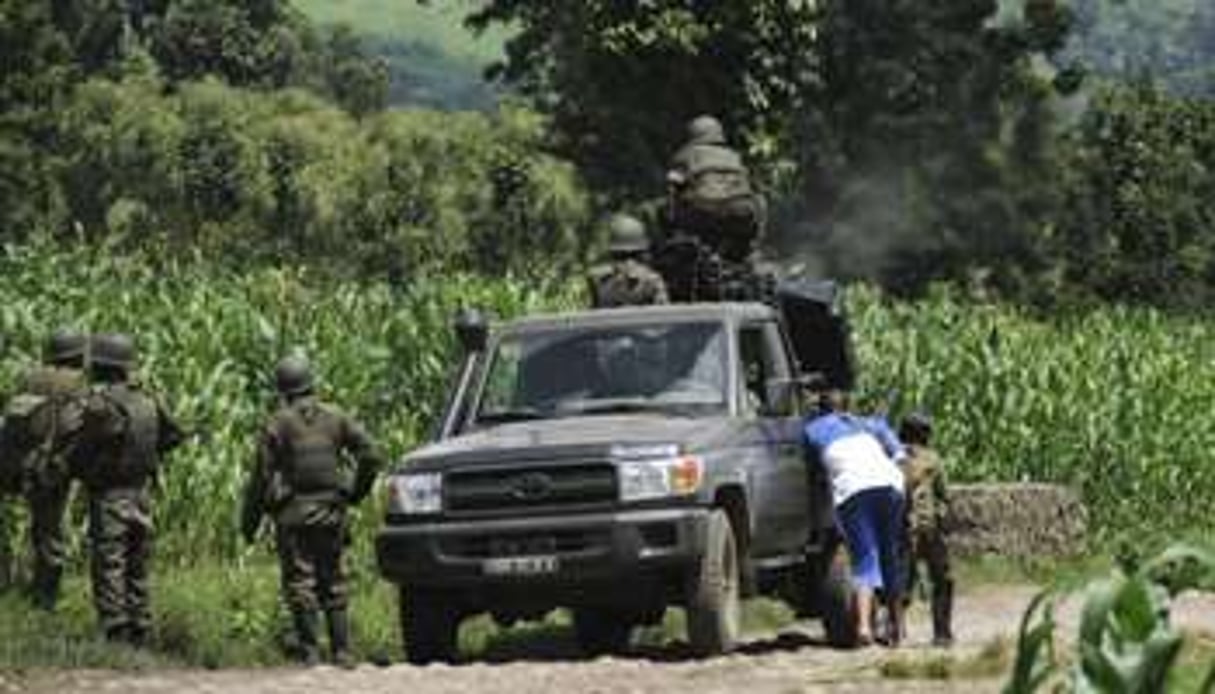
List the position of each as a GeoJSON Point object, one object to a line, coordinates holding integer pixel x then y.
{"type": "Point", "coordinates": [625, 280]}
{"type": "Point", "coordinates": [49, 481]}
{"type": "Point", "coordinates": [928, 506]}
{"type": "Point", "coordinates": [125, 435]}
{"type": "Point", "coordinates": [711, 196]}
{"type": "Point", "coordinates": [301, 481]}
{"type": "Point", "coordinates": [626, 283]}
{"type": "Point", "coordinates": [44, 418]}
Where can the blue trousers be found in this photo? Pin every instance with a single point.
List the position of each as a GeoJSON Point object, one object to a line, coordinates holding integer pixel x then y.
{"type": "Point", "coordinates": [872, 524]}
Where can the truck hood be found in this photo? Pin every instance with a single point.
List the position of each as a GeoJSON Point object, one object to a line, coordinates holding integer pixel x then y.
{"type": "Point", "coordinates": [570, 438]}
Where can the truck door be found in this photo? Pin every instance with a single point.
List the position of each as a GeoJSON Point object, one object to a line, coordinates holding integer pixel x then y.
{"type": "Point", "coordinates": [778, 474]}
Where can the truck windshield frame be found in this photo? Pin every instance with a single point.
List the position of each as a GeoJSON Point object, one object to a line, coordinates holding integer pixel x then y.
{"type": "Point", "coordinates": [671, 369]}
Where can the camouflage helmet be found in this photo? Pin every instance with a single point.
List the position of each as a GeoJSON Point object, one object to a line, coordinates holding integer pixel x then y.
{"type": "Point", "coordinates": [116, 350]}
{"type": "Point", "coordinates": [916, 428]}
{"type": "Point", "coordinates": [627, 235]}
{"type": "Point", "coordinates": [65, 345]}
{"type": "Point", "coordinates": [706, 130]}
{"type": "Point", "coordinates": [293, 376]}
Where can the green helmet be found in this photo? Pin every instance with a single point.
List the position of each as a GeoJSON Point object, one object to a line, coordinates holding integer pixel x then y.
{"type": "Point", "coordinates": [293, 376]}
{"type": "Point", "coordinates": [627, 235]}
{"type": "Point", "coordinates": [706, 130]}
{"type": "Point", "coordinates": [113, 349]}
{"type": "Point", "coordinates": [65, 345]}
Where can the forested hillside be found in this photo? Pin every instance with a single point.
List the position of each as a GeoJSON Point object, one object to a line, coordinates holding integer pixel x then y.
{"type": "Point", "coordinates": [432, 58]}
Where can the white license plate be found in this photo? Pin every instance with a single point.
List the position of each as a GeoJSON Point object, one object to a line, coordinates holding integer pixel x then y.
{"type": "Point", "coordinates": [520, 566]}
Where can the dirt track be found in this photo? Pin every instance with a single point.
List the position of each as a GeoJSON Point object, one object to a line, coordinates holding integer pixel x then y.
{"type": "Point", "coordinates": [793, 661]}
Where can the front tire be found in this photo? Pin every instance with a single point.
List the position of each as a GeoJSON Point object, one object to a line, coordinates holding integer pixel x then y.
{"type": "Point", "coordinates": [429, 627]}
{"type": "Point", "coordinates": [714, 606]}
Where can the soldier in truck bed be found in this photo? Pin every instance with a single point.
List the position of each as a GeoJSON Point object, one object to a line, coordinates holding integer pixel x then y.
{"type": "Point", "coordinates": [301, 479]}
{"type": "Point", "coordinates": [626, 279]}
{"type": "Point", "coordinates": [710, 193]}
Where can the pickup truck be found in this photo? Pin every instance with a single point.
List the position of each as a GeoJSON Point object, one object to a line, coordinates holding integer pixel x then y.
{"type": "Point", "coordinates": [615, 463]}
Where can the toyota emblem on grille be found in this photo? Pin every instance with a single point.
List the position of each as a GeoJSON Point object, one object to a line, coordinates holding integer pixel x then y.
{"type": "Point", "coordinates": [531, 487]}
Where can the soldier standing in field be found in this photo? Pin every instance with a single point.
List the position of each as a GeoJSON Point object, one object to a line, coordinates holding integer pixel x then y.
{"type": "Point", "coordinates": [928, 507]}
{"type": "Point", "coordinates": [125, 435]}
{"type": "Point", "coordinates": [61, 382]}
{"type": "Point", "coordinates": [302, 479]}
{"type": "Point", "coordinates": [626, 279]}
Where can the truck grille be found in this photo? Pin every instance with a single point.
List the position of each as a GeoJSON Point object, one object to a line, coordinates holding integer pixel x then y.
{"type": "Point", "coordinates": [489, 490]}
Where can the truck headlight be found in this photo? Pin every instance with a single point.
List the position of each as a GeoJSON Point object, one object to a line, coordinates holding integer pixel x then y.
{"type": "Point", "coordinates": [417, 493]}
{"type": "Point", "coordinates": [660, 478]}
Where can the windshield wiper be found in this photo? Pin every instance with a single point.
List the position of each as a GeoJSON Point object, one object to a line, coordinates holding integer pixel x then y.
{"type": "Point", "coordinates": [520, 414]}
{"type": "Point", "coordinates": [623, 407]}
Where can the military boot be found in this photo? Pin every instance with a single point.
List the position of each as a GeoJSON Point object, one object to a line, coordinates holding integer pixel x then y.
{"type": "Point", "coordinates": [942, 614]}
{"type": "Point", "coordinates": [339, 638]}
{"type": "Point", "coordinates": [305, 633]}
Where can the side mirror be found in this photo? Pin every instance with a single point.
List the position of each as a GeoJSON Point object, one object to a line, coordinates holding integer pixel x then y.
{"type": "Point", "coordinates": [472, 330]}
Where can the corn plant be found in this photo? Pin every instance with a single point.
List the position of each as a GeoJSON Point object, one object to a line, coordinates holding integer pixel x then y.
{"type": "Point", "coordinates": [209, 338]}
{"type": "Point", "coordinates": [1126, 642]}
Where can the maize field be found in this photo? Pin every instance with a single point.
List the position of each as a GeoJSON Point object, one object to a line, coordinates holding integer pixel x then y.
{"type": "Point", "coordinates": [1115, 401]}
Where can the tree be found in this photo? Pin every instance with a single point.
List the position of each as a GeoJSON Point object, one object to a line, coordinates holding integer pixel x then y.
{"type": "Point", "coordinates": [620, 79]}
{"type": "Point", "coordinates": [927, 155]}
{"type": "Point", "coordinates": [907, 124]}
{"type": "Point", "coordinates": [35, 78]}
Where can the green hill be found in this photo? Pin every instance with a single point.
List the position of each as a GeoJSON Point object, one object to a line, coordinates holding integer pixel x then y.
{"type": "Point", "coordinates": [434, 60]}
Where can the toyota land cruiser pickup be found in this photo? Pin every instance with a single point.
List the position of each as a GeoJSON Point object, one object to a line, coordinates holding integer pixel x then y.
{"type": "Point", "coordinates": [618, 462]}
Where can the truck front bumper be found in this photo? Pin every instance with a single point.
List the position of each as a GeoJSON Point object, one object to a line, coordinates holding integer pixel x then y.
{"type": "Point", "coordinates": [564, 551]}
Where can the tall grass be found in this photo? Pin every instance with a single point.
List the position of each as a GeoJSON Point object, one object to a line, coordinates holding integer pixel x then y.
{"type": "Point", "coordinates": [210, 337]}
{"type": "Point", "coordinates": [1114, 401]}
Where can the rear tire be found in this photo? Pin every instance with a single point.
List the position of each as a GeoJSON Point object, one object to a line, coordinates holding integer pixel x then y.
{"type": "Point", "coordinates": [429, 626]}
{"type": "Point", "coordinates": [601, 633]}
{"type": "Point", "coordinates": [714, 607]}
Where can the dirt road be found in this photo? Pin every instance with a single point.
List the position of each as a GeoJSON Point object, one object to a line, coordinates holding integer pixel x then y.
{"type": "Point", "coordinates": [792, 661]}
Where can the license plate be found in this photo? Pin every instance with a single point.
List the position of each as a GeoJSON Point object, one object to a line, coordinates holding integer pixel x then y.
{"type": "Point", "coordinates": [520, 566]}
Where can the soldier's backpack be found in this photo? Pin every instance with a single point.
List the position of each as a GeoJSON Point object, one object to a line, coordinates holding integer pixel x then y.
{"type": "Point", "coordinates": [309, 457]}
{"type": "Point", "coordinates": [123, 425]}
{"type": "Point", "coordinates": [717, 200]}
{"type": "Point", "coordinates": [29, 425]}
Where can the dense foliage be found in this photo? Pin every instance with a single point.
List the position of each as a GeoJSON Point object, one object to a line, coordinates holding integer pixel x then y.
{"type": "Point", "coordinates": [210, 338]}
{"type": "Point", "coordinates": [241, 174]}
{"type": "Point", "coordinates": [1104, 400]}
{"type": "Point", "coordinates": [1115, 390]}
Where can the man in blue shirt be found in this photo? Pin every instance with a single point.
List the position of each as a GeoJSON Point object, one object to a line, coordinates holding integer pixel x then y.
{"type": "Point", "coordinates": [867, 492]}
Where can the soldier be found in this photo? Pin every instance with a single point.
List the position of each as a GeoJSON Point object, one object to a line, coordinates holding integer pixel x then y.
{"type": "Point", "coordinates": [710, 193]}
{"type": "Point", "coordinates": [42, 422]}
{"type": "Point", "coordinates": [301, 479]}
{"type": "Point", "coordinates": [125, 435]}
{"type": "Point", "coordinates": [626, 279]}
{"type": "Point", "coordinates": [928, 507]}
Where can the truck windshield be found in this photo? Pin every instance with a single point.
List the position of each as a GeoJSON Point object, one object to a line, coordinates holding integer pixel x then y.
{"type": "Point", "coordinates": [672, 369]}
